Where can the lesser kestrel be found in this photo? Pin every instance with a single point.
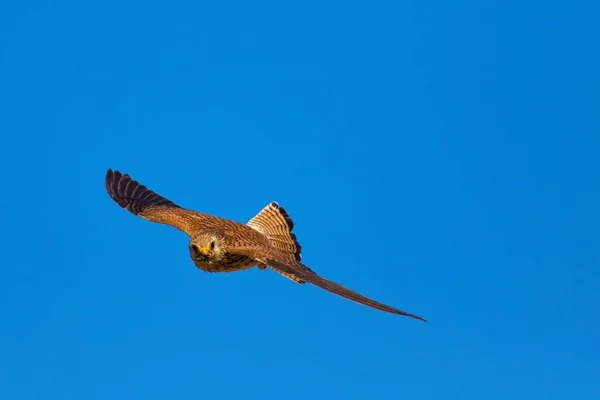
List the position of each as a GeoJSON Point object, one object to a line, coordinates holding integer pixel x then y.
{"type": "Point", "coordinates": [222, 245]}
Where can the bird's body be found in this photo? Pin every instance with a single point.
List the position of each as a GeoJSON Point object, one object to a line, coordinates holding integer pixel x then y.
{"type": "Point", "coordinates": [222, 245]}
{"type": "Point", "coordinates": [229, 262]}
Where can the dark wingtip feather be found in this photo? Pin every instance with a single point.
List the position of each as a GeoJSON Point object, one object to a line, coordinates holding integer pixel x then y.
{"type": "Point", "coordinates": [130, 194]}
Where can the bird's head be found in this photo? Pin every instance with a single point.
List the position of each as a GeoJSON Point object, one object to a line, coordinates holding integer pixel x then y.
{"type": "Point", "coordinates": [207, 248]}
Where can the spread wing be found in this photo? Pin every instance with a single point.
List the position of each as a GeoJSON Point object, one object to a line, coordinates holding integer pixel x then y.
{"type": "Point", "coordinates": [302, 272]}
{"type": "Point", "coordinates": [145, 203]}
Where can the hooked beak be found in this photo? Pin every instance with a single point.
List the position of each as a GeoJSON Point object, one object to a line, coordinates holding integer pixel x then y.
{"type": "Point", "coordinates": [205, 252]}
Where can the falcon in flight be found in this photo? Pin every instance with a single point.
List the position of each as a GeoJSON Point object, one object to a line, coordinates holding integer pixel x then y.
{"type": "Point", "coordinates": [222, 245]}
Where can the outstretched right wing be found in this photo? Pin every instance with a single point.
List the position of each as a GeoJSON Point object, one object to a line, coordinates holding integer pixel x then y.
{"type": "Point", "coordinates": [300, 271]}
{"type": "Point", "coordinates": [141, 201]}
{"type": "Point", "coordinates": [305, 274]}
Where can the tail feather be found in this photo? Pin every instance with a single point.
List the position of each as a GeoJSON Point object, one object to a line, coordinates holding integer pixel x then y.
{"type": "Point", "coordinates": [275, 223]}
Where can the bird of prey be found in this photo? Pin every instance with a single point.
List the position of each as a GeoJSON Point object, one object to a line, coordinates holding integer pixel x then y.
{"type": "Point", "coordinates": [222, 245]}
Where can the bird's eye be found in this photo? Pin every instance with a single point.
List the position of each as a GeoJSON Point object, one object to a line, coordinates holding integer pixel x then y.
{"type": "Point", "coordinates": [194, 250]}
{"type": "Point", "coordinates": [212, 245]}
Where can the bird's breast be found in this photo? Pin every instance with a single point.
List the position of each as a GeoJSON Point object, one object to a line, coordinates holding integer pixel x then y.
{"type": "Point", "coordinates": [231, 263]}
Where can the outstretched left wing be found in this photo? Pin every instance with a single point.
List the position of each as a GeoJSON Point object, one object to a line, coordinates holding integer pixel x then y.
{"type": "Point", "coordinates": [143, 202]}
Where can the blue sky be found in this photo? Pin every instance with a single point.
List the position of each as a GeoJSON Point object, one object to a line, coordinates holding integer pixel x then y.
{"type": "Point", "coordinates": [440, 158]}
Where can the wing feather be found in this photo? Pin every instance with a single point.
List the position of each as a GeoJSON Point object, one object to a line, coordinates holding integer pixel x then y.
{"type": "Point", "coordinates": [302, 272]}
{"type": "Point", "coordinates": [143, 202]}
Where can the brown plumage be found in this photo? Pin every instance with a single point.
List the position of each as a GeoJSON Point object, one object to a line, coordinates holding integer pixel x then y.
{"type": "Point", "coordinates": [221, 245]}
